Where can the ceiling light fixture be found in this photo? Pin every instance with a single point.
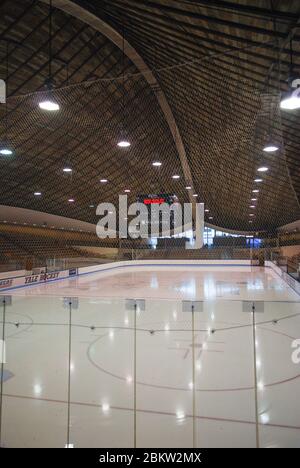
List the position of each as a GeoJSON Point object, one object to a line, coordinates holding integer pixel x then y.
{"type": "Point", "coordinates": [291, 99]}
{"type": "Point", "coordinates": [156, 164]}
{"type": "Point", "coordinates": [176, 177]}
{"type": "Point", "coordinates": [271, 148]}
{"type": "Point", "coordinates": [263, 169]}
{"type": "Point", "coordinates": [49, 106]}
{"type": "Point", "coordinates": [67, 169]}
{"type": "Point", "coordinates": [5, 151]}
{"type": "Point", "coordinates": [49, 103]}
{"type": "Point", "coordinates": [258, 180]}
{"type": "Point", "coordinates": [124, 142]}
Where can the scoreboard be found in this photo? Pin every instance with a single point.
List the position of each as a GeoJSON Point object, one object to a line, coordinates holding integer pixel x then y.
{"type": "Point", "coordinates": [158, 199]}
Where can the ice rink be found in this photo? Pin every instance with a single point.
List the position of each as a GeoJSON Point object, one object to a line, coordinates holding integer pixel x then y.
{"type": "Point", "coordinates": [195, 380]}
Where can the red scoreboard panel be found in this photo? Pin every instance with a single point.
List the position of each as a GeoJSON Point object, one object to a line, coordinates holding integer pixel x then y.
{"type": "Point", "coordinates": [157, 199]}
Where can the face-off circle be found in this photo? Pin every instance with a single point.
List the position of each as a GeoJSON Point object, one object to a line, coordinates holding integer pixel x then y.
{"type": "Point", "coordinates": [223, 360]}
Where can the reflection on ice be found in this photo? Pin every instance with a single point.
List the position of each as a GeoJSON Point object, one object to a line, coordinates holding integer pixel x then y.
{"type": "Point", "coordinates": [102, 388]}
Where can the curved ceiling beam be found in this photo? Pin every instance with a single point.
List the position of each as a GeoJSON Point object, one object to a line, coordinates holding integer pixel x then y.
{"type": "Point", "coordinates": [72, 9]}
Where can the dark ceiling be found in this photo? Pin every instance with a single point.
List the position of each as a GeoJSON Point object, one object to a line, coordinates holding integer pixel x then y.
{"type": "Point", "coordinates": [220, 65]}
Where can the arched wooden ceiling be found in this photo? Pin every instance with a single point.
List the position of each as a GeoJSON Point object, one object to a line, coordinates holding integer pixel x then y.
{"type": "Point", "coordinates": [219, 97]}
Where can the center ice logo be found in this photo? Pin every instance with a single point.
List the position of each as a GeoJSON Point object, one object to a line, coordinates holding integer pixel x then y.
{"type": "Point", "coordinates": [296, 353]}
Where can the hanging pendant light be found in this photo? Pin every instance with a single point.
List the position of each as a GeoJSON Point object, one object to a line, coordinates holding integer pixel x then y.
{"type": "Point", "coordinates": [123, 142]}
{"type": "Point", "coordinates": [291, 99]}
{"type": "Point", "coordinates": [5, 147]}
{"type": "Point", "coordinates": [271, 147]}
{"type": "Point", "coordinates": [49, 104]}
{"type": "Point", "coordinates": [262, 168]}
{"type": "Point", "coordinates": [5, 151]}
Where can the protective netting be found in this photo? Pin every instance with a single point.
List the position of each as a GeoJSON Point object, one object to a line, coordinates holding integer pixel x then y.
{"type": "Point", "coordinates": [222, 139]}
{"type": "Point", "coordinates": [211, 136]}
